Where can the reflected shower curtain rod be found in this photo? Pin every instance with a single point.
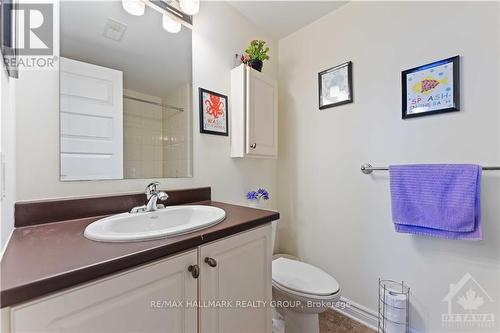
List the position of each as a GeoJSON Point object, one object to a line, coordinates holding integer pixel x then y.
{"type": "Point", "coordinates": [165, 106]}
{"type": "Point", "coordinates": [368, 168]}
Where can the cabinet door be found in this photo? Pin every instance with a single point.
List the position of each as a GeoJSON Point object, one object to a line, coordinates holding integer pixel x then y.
{"type": "Point", "coordinates": [262, 115]}
{"type": "Point", "coordinates": [133, 301]}
{"type": "Point", "coordinates": [242, 274]}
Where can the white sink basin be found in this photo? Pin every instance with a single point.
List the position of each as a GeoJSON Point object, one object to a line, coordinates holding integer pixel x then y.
{"type": "Point", "coordinates": [162, 223]}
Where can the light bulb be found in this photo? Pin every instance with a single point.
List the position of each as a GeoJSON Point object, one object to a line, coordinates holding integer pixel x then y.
{"type": "Point", "coordinates": [170, 24]}
{"type": "Point", "coordinates": [190, 7]}
{"type": "Point", "coordinates": [134, 7]}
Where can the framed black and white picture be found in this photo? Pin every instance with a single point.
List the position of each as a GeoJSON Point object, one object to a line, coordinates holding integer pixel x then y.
{"type": "Point", "coordinates": [335, 86]}
{"type": "Point", "coordinates": [431, 89]}
{"type": "Point", "coordinates": [213, 113]}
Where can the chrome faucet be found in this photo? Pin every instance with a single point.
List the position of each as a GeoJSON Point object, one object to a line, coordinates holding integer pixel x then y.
{"type": "Point", "coordinates": [152, 196]}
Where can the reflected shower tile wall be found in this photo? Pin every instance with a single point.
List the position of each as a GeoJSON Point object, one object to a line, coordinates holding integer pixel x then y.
{"type": "Point", "coordinates": [157, 143]}
{"type": "Point", "coordinates": [177, 135]}
{"type": "Point", "coordinates": [143, 132]}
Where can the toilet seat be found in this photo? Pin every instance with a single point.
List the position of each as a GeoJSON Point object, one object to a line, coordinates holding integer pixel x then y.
{"type": "Point", "coordinates": [302, 279]}
{"type": "Point", "coordinates": [305, 297]}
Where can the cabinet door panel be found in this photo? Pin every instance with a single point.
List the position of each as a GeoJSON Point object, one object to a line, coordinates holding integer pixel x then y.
{"type": "Point", "coordinates": [133, 301]}
{"type": "Point", "coordinates": [262, 115]}
{"type": "Point", "coordinates": [243, 273]}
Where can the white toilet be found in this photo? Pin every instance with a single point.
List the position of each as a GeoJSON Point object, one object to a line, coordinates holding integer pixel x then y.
{"type": "Point", "coordinates": [302, 291]}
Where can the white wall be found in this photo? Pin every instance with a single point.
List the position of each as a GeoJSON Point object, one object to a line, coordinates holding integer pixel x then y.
{"type": "Point", "coordinates": [8, 156]}
{"type": "Point", "coordinates": [338, 218]}
{"type": "Point", "coordinates": [219, 33]}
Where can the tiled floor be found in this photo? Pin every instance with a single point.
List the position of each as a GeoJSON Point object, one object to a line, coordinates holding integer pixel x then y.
{"type": "Point", "coordinates": [333, 322]}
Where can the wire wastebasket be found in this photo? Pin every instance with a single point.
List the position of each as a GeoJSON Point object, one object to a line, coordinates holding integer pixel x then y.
{"type": "Point", "coordinates": [393, 307]}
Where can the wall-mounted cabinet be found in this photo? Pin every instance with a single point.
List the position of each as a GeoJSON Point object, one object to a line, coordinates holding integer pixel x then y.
{"type": "Point", "coordinates": [254, 114]}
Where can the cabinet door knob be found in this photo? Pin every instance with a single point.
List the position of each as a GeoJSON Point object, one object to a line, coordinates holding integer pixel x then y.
{"type": "Point", "coordinates": [211, 261]}
{"type": "Point", "coordinates": [195, 270]}
{"type": "Point", "coordinates": [253, 145]}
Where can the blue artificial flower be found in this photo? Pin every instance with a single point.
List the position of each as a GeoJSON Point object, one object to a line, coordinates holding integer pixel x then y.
{"type": "Point", "coordinates": [256, 195]}
{"type": "Point", "coordinates": [263, 193]}
{"type": "Point", "coordinates": [252, 195]}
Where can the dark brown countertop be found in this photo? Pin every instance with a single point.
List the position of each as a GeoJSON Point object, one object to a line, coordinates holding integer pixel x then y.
{"type": "Point", "coordinates": [45, 258]}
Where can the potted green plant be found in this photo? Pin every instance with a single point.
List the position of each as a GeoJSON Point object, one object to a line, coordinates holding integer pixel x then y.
{"type": "Point", "coordinates": [256, 54]}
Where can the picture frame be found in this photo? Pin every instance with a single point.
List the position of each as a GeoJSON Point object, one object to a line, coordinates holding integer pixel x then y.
{"type": "Point", "coordinates": [431, 89]}
{"type": "Point", "coordinates": [335, 86]}
{"type": "Point", "coordinates": [213, 108]}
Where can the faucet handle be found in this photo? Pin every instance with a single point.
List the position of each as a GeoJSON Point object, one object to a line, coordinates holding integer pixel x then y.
{"type": "Point", "coordinates": [151, 189]}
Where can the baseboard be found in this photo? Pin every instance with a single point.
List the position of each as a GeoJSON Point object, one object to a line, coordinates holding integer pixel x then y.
{"type": "Point", "coordinates": [360, 313]}
{"type": "Point", "coordinates": [357, 312]}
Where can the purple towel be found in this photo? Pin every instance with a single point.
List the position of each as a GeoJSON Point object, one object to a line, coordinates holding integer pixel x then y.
{"type": "Point", "coordinates": [441, 200]}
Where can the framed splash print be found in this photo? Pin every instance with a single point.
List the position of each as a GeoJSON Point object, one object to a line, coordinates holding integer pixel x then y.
{"type": "Point", "coordinates": [335, 86]}
{"type": "Point", "coordinates": [213, 113]}
{"type": "Point", "coordinates": [431, 89]}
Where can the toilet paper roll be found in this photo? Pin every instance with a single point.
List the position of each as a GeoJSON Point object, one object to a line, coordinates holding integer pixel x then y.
{"type": "Point", "coordinates": [395, 300]}
{"type": "Point", "coordinates": [395, 315]}
{"type": "Point", "coordinates": [395, 308]}
{"type": "Point", "coordinates": [390, 327]}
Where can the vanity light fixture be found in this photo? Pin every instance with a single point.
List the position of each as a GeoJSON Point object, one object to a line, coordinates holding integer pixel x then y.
{"type": "Point", "coordinates": [134, 7]}
{"type": "Point", "coordinates": [170, 24]}
{"type": "Point", "coordinates": [175, 12]}
{"type": "Point", "coordinates": [190, 7]}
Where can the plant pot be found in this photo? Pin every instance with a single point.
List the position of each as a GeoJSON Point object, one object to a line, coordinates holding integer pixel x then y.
{"type": "Point", "coordinates": [256, 64]}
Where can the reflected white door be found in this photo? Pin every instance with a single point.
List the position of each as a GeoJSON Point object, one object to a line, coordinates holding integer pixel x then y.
{"type": "Point", "coordinates": [91, 118]}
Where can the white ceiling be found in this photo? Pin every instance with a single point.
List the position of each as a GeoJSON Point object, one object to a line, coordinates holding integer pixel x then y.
{"type": "Point", "coordinates": [153, 60]}
{"type": "Point", "coordinates": [281, 18]}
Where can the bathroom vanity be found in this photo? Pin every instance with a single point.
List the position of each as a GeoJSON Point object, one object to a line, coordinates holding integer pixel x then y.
{"type": "Point", "coordinates": [124, 113]}
{"type": "Point", "coordinates": [212, 280]}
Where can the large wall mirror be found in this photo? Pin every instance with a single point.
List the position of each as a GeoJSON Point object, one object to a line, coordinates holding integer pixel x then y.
{"type": "Point", "coordinates": [125, 94]}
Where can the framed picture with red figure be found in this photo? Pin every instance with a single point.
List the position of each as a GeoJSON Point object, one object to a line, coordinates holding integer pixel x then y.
{"type": "Point", "coordinates": [213, 113]}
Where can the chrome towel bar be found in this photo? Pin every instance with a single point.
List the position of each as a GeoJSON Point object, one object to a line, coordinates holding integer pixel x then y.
{"type": "Point", "coordinates": [367, 168]}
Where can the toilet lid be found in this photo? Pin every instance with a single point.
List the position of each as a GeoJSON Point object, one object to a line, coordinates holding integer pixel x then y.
{"type": "Point", "coordinates": [303, 278]}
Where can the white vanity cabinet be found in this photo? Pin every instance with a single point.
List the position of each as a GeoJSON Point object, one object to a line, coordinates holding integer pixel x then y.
{"type": "Point", "coordinates": [237, 270]}
{"type": "Point", "coordinates": [124, 302]}
{"type": "Point", "coordinates": [162, 296]}
{"type": "Point", "coordinates": [254, 114]}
